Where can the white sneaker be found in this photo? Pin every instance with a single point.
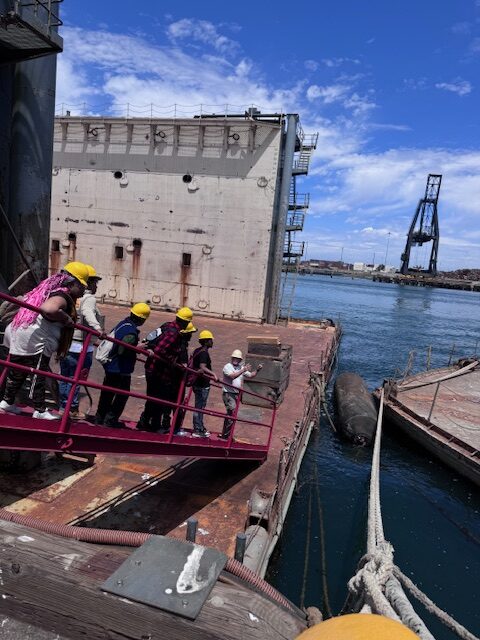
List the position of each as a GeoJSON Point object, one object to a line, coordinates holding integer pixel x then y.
{"type": "Point", "coordinates": [200, 434]}
{"type": "Point", "coordinates": [182, 432]}
{"type": "Point", "coordinates": [9, 408]}
{"type": "Point", "coordinates": [45, 415]}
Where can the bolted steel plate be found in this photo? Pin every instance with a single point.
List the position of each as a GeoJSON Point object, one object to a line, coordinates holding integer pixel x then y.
{"type": "Point", "coordinates": [169, 574]}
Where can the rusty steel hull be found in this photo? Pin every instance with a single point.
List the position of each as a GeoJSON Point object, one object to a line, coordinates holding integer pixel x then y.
{"type": "Point", "coordinates": [157, 493]}
{"type": "Point", "coordinates": [444, 419]}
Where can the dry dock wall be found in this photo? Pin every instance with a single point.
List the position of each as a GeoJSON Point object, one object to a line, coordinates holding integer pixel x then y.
{"type": "Point", "coordinates": [175, 212]}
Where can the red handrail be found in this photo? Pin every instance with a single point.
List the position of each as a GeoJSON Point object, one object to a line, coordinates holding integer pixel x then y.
{"type": "Point", "coordinates": [178, 406]}
{"type": "Point", "coordinates": [139, 350]}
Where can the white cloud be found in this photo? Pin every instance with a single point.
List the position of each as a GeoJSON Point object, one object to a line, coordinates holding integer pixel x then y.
{"type": "Point", "coordinates": [360, 105]}
{"type": "Point", "coordinates": [459, 86]}
{"type": "Point", "coordinates": [201, 31]}
{"type": "Point", "coordinates": [461, 28]}
{"type": "Point", "coordinates": [337, 62]}
{"type": "Point", "coordinates": [311, 65]}
{"type": "Point", "coordinates": [415, 83]}
{"type": "Point", "coordinates": [129, 69]}
{"type": "Point", "coordinates": [475, 45]}
{"type": "Point", "coordinates": [328, 94]}
{"type": "Point", "coordinates": [352, 190]}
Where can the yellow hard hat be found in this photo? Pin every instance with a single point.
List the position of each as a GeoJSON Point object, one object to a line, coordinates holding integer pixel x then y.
{"type": "Point", "coordinates": [185, 314]}
{"type": "Point", "coordinates": [92, 272]}
{"type": "Point", "coordinates": [237, 354]}
{"type": "Point", "coordinates": [358, 626]}
{"type": "Point", "coordinates": [205, 335]}
{"type": "Point", "coordinates": [189, 328]}
{"type": "Point", "coordinates": [141, 310]}
{"type": "Point", "coordinates": [78, 270]}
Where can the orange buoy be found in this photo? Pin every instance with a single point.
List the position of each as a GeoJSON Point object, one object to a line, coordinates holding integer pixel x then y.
{"type": "Point", "coordinates": [359, 626]}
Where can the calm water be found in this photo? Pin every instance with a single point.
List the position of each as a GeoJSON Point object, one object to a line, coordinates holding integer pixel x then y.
{"type": "Point", "coordinates": [431, 515]}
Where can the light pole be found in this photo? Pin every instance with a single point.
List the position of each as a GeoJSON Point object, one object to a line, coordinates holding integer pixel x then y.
{"type": "Point", "coordinates": [386, 250]}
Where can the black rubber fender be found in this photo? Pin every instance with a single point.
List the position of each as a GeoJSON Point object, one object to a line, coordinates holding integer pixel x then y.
{"type": "Point", "coordinates": [355, 411]}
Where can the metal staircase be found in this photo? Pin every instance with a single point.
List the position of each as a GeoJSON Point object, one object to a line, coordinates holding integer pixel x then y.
{"type": "Point", "coordinates": [306, 145]}
{"type": "Point", "coordinates": [297, 206]}
{"type": "Point", "coordinates": [28, 29]}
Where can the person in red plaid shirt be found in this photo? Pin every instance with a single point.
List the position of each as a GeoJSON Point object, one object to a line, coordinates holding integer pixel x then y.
{"type": "Point", "coordinates": [160, 372]}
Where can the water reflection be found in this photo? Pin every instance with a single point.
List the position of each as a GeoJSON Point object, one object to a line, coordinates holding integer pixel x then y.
{"type": "Point", "coordinates": [431, 515]}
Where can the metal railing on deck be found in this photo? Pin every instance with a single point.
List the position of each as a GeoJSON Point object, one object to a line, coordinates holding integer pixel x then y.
{"type": "Point", "coordinates": [180, 406]}
{"type": "Point", "coordinates": [42, 9]}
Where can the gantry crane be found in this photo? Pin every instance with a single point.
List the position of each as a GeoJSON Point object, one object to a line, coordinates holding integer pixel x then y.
{"type": "Point", "coordinates": [424, 228]}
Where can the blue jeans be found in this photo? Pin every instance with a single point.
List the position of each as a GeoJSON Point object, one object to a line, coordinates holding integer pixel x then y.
{"type": "Point", "coordinates": [68, 364]}
{"type": "Point", "coordinates": [201, 397]}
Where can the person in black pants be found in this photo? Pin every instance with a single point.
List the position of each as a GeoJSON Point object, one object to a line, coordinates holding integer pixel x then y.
{"type": "Point", "coordinates": [119, 369]}
{"type": "Point", "coordinates": [202, 363]}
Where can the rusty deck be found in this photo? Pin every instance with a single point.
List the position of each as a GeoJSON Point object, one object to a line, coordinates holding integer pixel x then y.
{"type": "Point", "coordinates": [442, 416]}
{"type": "Point", "coordinates": [158, 494]}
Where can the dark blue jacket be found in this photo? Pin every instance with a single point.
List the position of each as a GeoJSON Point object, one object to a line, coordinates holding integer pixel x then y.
{"type": "Point", "coordinates": [124, 362]}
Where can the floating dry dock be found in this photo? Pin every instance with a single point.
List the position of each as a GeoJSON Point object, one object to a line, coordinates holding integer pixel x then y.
{"type": "Point", "coordinates": [158, 494]}
{"type": "Point", "coordinates": [440, 409]}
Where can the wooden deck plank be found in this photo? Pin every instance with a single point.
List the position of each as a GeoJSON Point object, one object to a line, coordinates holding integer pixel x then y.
{"type": "Point", "coordinates": [54, 583]}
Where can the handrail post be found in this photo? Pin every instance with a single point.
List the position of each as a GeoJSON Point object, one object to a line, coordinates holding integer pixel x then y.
{"type": "Point", "coordinates": [180, 394]}
{"type": "Point", "coordinates": [3, 375]}
{"type": "Point", "coordinates": [433, 401]}
{"type": "Point", "coordinates": [76, 379]}
{"type": "Point", "coordinates": [272, 422]}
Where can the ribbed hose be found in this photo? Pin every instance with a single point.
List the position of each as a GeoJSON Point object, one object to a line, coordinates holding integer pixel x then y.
{"type": "Point", "coordinates": [136, 539]}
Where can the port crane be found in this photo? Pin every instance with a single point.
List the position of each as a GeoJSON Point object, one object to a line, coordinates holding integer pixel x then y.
{"type": "Point", "coordinates": [424, 228]}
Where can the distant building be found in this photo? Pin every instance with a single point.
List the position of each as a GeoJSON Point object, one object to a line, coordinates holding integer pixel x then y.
{"type": "Point", "coordinates": [199, 212]}
{"type": "Point", "coordinates": [359, 266]}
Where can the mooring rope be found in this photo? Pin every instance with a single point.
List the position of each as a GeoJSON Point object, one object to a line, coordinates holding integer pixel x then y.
{"type": "Point", "coordinates": [377, 585]}
{"type": "Point", "coordinates": [307, 551]}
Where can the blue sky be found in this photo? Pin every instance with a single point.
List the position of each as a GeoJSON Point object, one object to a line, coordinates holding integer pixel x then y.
{"type": "Point", "coordinates": [391, 87]}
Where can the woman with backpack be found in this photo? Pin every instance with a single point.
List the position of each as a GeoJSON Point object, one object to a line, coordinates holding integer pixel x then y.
{"type": "Point", "coordinates": [33, 337]}
{"type": "Point", "coordinates": [119, 364]}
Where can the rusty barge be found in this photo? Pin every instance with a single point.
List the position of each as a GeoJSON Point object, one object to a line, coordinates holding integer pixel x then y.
{"type": "Point", "coordinates": [162, 495]}
{"type": "Point", "coordinates": [440, 410]}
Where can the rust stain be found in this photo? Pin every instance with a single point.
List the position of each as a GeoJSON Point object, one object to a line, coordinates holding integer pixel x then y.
{"type": "Point", "coordinates": [196, 230]}
{"type": "Point", "coordinates": [184, 271]}
{"type": "Point", "coordinates": [54, 261]}
{"type": "Point", "coordinates": [137, 248]}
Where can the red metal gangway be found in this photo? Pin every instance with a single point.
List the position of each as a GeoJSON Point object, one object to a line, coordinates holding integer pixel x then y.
{"type": "Point", "coordinates": [23, 432]}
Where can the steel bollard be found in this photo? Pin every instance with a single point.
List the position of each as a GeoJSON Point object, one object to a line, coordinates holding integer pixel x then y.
{"type": "Point", "coordinates": [240, 545]}
{"type": "Point", "coordinates": [192, 524]}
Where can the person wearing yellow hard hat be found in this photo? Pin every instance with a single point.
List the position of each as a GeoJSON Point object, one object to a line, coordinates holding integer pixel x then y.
{"type": "Point", "coordinates": [119, 366]}
{"type": "Point", "coordinates": [202, 363]}
{"type": "Point", "coordinates": [33, 337]}
{"type": "Point", "coordinates": [233, 374]}
{"type": "Point", "coordinates": [358, 626]}
{"type": "Point", "coordinates": [89, 316]}
{"type": "Point", "coordinates": [178, 375]}
{"type": "Point", "coordinates": [161, 373]}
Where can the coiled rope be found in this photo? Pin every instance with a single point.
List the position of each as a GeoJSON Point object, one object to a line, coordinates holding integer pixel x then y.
{"type": "Point", "coordinates": [377, 585]}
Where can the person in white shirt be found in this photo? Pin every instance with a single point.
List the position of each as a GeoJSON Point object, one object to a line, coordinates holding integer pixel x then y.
{"type": "Point", "coordinates": [233, 374]}
{"type": "Point", "coordinates": [89, 316]}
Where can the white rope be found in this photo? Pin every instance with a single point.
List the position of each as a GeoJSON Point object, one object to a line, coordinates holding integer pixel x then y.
{"type": "Point", "coordinates": [376, 587]}
{"type": "Point", "coordinates": [430, 606]}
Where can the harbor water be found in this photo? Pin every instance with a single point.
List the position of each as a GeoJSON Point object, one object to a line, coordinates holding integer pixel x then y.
{"type": "Point", "coordinates": [431, 514]}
